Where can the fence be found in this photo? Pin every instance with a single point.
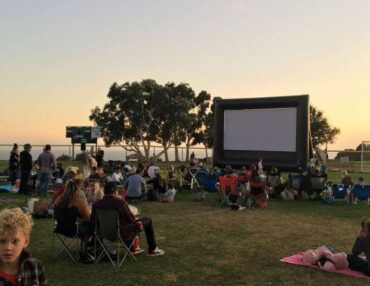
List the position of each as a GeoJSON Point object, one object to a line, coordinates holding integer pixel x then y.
{"type": "Point", "coordinates": [354, 161]}
{"type": "Point", "coordinates": [113, 152]}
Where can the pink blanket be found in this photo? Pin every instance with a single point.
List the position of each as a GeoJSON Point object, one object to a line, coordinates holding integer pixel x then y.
{"type": "Point", "coordinates": [297, 260]}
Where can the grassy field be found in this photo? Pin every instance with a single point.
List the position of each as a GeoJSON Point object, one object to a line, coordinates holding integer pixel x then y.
{"type": "Point", "coordinates": [207, 245]}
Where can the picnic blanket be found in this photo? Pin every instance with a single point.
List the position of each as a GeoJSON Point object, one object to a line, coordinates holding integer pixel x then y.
{"type": "Point", "coordinates": [8, 188]}
{"type": "Point", "coordinates": [8, 200]}
{"type": "Point", "coordinates": [296, 259]}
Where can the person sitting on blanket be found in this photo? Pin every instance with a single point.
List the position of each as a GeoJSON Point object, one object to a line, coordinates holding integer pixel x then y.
{"type": "Point", "coordinates": [362, 244]}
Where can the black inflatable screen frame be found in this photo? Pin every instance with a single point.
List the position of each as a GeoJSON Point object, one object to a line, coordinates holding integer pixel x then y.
{"type": "Point", "coordinates": [287, 161]}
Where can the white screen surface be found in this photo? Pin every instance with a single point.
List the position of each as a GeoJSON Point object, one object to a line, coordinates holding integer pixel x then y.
{"type": "Point", "coordinates": [271, 129]}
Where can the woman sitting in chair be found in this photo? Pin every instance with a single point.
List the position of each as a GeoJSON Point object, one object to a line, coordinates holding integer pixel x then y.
{"type": "Point", "coordinates": [257, 188]}
{"type": "Point", "coordinates": [73, 200]}
{"type": "Point", "coordinates": [275, 183]}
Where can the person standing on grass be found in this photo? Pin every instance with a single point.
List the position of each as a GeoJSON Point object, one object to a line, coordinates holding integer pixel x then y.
{"type": "Point", "coordinates": [47, 164]}
{"type": "Point", "coordinates": [26, 167]}
{"type": "Point", "coordinates": [260, 167]}
{"type": "Point", "coordinates": [16, 265]}
{"type": "Point", "coordinates": [14, 164]}
{"type": "Point", "coordinates": [99, 157]}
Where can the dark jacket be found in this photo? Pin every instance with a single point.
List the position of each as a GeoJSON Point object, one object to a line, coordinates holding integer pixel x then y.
{"type": "Point", "coordinates": [362, 244]}
{"type": "Point", "coordinates": [26, 160]}
{"type": "Point", "coordinates": [14, 161]}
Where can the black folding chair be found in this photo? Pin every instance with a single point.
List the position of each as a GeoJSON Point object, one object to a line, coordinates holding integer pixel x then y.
{"type": "Point", "coordinates": [108, 238]}
{"type": "Point", "coordinates": [65, 234]}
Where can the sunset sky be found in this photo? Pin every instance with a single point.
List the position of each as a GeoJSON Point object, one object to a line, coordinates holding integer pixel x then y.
{"type": "Point", "coordinates": [59, 58]}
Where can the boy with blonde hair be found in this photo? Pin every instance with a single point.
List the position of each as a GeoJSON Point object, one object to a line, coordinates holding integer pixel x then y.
{"type": "Point", "coordinates": [16, 265]}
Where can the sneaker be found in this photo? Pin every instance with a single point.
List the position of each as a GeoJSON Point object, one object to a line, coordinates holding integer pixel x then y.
{"type": "Point", "coordinates": [156, 252]}
{"type": "Point", "coordinates": [241, 208]}
{"type": "Point", "coordinates": [136, 252]}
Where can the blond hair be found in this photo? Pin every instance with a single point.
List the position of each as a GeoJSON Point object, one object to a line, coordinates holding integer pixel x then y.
{"type": "Point", "coordinates": [15, 220]}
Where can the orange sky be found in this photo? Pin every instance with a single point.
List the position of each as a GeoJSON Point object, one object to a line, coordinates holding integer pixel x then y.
{"type": "Point", "coordinates": [59, 59]}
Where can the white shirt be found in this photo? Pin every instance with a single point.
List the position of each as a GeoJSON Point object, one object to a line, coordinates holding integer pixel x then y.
{"type": "Point", "coordinates": [117, 177]}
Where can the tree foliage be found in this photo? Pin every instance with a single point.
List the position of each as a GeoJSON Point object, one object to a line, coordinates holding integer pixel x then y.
{"type": "Point", "coordinates": [140, 113]}
{"type": "Point", "coordinates": [321, 131]}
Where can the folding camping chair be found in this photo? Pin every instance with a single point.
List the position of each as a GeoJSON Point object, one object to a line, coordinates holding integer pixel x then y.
{"type": "Point", "coordinates": [107, 237]}
{"type": "Point", "coordinates": [362, 192]}
{"type": "Point", "coordinates": [199, 177]}
{"type": "Point", "coordinates": [339, 191]}
{"type": "Point", "coordinates": [209, 185]}
{"type": "Point", "coordinates": [295, 181]}
{"type": "Point", "coordinates": [189, 180]}
{"type": "Point", "coordinates": [258, 193]}
{"type": "Point", "coordinates": [65, 234]}
{"type": "Point", "coordinates": [318, 184]}
{"type": "Point", "coordinates": [228, 186]}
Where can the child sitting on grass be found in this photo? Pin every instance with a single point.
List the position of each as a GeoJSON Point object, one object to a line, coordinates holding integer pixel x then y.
{"type": "Point", "coordinates": [16, 265]}
{"type": "Point", "coordinates": [169, 195]}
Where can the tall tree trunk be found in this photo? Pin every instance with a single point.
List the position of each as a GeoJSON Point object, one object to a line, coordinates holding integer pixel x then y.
{"type": "Point", "coordinates": [164, 151]}
{"type": "Point", "coordinates": [147, 153]}
{"type": "Point", "coordinates": [166, 156]}
{"type": "Point", "coordinates": [177, 153]}
{"type": "Point", "coordinates": [187, 154]}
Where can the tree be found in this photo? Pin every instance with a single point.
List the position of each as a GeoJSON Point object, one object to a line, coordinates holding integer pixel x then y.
{"type": "Point", "coordinates": [321, 131]}
{"type": "Point", "coordinates": [128, 116]}
{"type": "Point", "coordinates": [141, 113]}
{"type": "Point", "coordinates": [181, 98]}
{"type": "Point", "coordinates": [197, 121]}
{"type": "Point", "coordinates": [205, 136]}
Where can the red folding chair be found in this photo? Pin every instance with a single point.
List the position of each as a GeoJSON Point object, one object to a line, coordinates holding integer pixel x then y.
{"type": "Point", "coordinates": [258, 193]}
{"type": "Point", "coordinates": [242, 179]}
{"type": "Point", "coordinates": [248, 175]}
{"type": "Point", "coordinates": [228, 188]}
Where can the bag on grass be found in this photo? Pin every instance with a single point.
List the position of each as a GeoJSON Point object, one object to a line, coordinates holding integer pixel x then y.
{"type": "Point", "coordinates": [40, 209]}
{"type": "Point", "coordinates": [40, 206]}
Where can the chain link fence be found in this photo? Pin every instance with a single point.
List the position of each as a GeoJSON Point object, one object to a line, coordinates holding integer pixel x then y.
{"type": "Point", "coordinates": [352, 161]}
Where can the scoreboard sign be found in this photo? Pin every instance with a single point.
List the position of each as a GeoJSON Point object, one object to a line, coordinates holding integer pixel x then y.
{"type": "Point", "coordinates": [83, 134]}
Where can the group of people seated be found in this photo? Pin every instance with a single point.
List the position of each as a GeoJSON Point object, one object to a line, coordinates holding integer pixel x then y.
{"type": "Point", "coordinates": [137, 183]}
{"type": "Point", "coordinates": [250, 186]}
{"type": "Point", "coordinates": [307, 182]}
{"type": "Point", "coordinates": [72, 199]}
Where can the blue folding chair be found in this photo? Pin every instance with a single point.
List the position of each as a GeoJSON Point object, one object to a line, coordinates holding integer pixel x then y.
{"type": "Point", "coordinates": [339, 191]}
{"type": "Point", "coordinates": [209, 185]}
{"type": "Point", "coordinates": [361, 192]}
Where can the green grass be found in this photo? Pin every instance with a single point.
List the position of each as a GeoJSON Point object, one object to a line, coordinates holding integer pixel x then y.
{"type": "Point", "coordinates": [207, 245]}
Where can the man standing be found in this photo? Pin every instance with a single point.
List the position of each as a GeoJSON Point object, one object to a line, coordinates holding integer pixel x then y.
{"type": "Point", "coordinates": [47, 164]}
{"type": "Point", "coordinates": [111, 201]}
{"type": "Point", "coordinates": [99, 157]}
{"type": "Point", "coordinates": [26, 166]}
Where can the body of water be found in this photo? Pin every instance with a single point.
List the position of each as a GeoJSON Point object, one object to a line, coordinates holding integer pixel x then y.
{"type": "Point", "coordinates": [110, 153]}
